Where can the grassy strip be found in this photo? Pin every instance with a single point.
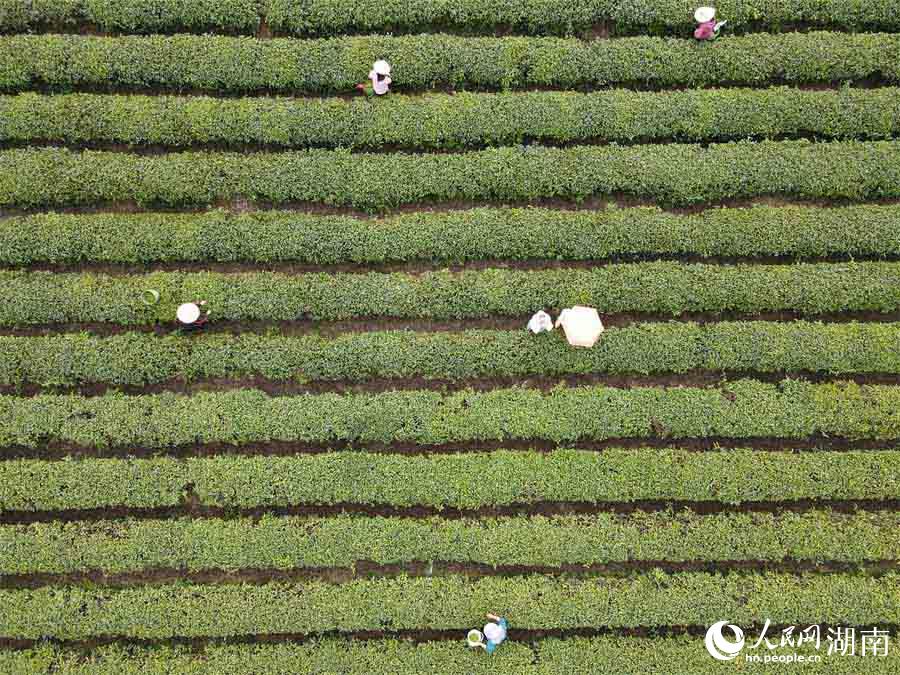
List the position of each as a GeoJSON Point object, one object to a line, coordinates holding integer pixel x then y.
{"type": "Point", "coordinates": [290, 542]}
{"type": "Point", "coordinates": [138, 359]}
{"type": "Point", "coordinates": [453, 121]}
{"type": "Point", "coordinates": [740, 409]}
{"type": "Point", "coordinates": [447, 603]}
{"type": "Point", "coordinates": [427, 61]}
{"type": "Point", "coordinates": [660, 287]}
{"type": "Point", "coordinates": [672, 173]}
{"type": "Point", "coordinates": [131, 16]}
{"type": "Point", "coordinates": [606, 655]}
{"type": "Point", "coordinates": [466, 481]}
{"type": "Point", "coordinates": [328, 17]}
{"type": "Point", "coordinates": [450, 236]}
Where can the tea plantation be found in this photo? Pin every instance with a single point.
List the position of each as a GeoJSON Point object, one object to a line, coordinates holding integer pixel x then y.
{"type": "Point", "coordinates": [364, 450]}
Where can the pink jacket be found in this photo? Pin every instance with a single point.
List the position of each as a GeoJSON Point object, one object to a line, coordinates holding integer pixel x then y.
{"type": "Point", "coordinates": [706, 30]}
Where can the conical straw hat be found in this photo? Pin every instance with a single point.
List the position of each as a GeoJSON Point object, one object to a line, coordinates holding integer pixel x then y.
{"type": "Point", "coordinates": [704, 14]}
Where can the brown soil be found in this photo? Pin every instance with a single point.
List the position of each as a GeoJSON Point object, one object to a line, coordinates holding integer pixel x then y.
{"type": "Point", "coordinates": [58, 451]}
{"type": "Point", "coordinates": [870, 82]}
{"type": "Point", "coordinates": [191, 508]}
{"type": "Point", "coordinates": [418, 267]}
{"type": "Point", "coordinates": [370, 570]}
{"type": "Point", "coordinates": [264, 32]}
{"type": "Point", "coordinates": [597, 202]}
{"type": "Point", "coordinates": [335, 328]}
{"type": "Point", "coordinates": [695, 379]}
{"type": "Point", "coordinates": [152, 149]}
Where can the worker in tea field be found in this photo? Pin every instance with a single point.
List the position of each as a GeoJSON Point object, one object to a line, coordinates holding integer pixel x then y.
{"type": "Point", "coordinates": [707, 27]}
{"type": "Point", "coordinates": [379, 79]}
{"type": "Point", "coordinates": [190, 315]}
{"type": "Point", "coordinates": [495, 632]}
{"type": "Point", "coordinates": [540, 322]}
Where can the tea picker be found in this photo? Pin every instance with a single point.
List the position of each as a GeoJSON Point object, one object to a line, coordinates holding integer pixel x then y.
{"type": "Point", "coordinates": [540, 323]}
{"type": "Point", "coordinates": [707, 27]}
{"type": "Point", "coordinates": [581, 325]}
{"type": "Point", "coordinates": [190, 315]}
{"type": "Point", "coordinates": [495, 632]}
{"type": "Point", "coordinates": [379, 79]}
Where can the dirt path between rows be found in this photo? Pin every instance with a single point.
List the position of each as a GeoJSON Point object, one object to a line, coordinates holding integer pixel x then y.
{"type": "Point", "coordinates": [546, 383]}
{"type": "Point", "coordinates": [373, 324]}
{"type": "Point", "coordinates": [419, 267]}
{"type": "Point", "coordinates": [191, 508]}
{"type": "Point", "coordinates": [51, 450]}
{"type": "Point", "coordinates": [370, 570]}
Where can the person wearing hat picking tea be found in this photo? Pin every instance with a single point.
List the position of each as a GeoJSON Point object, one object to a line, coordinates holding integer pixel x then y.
{"type": "Point", "coordinates": [190, 315]}
{"type": "Point", "coordinates": [540, 322]}
{"type": "Point", "coordinates": [379, 79]}
{"type": "Point", "coordinates": [707, 27]}
{"type": "Point", "coordinates": [494, 632]}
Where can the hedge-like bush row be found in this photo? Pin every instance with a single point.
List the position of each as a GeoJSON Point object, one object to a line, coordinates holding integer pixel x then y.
{"type": "Point", "coordinates": [347, 657]}
{"type": "Point", "coordinates": [286, 543]}
{"type": "Point", "coordinates": [466, 480]}
{"type": "Point", "coordinates": [245, 64]}
{"type": "Point", "coordinates": [323, 17]}
{"type": "Point", "coordinates": [138, 359]}
{"type": "Point", "coordinates": [739, 409]}
{"type": "Point", "coordinates": [131, 16]}
{"type": "Point", "coordinates": [670, 173]}
{"type": "Point", "coordinates": [658, 287]}
{"type": "Point", "coordinates": [451, 236]}
{"type": "Point", "coordinates": [652, 599]}
{"type": "Point", "coordinates": [606, 655]}
{"type": "Point", "coordinates": [453, 121]}
{"type": "Point", "coordinates": [332, 17]}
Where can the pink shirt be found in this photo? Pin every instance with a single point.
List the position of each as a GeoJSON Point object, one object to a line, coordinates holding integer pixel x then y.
{"type": "Point", "coordinates": [705, 30]}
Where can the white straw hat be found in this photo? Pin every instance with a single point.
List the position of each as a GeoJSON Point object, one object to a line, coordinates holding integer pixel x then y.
{"type": "Point", "coordinates": [188, 312]}
{"type": "Point", "coordinates": [494, 632]}
{"type": "Point", "coordinates": [382, 67]}
{"type": "Point", "coordinates": [704, 14]}
{"type": "Point", "coordinates": [582, 325]}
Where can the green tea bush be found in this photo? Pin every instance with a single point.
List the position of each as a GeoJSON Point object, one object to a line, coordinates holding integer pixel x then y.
{"type": "Point", "coordinates": [739, 409]}
{"type": "Point", "coordinates": [245, 64]}
{"type": "Point", "coordinates": [331, 17]}
{"type": "Point", "coordinates": [131, 16]}
{"type": "Point", "coordinates": [317, 17]}
{"type": "Point", "coordinates": [453, 121]}
{"type": "Point", "coordinates": [125, 546]}
{"type": "Point", "coordinates": [138, 359]}
{"type": "Point", "coordinates": [604, 655]}
{"type": "Point", "coordinates": [466, 480]}
{"type": "Point", "coordinates": [456, 236]}
{"type": "Point", "coordinates": [659, 287]}
{"type": "Point", "coordinates": [671, 173]}
{"type": "Point", "coordinates": [653, 599]}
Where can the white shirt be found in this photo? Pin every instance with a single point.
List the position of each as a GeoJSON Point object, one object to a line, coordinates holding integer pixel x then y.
{"type": "Point", "coordinates": [540, 322]}
{"type": "Point", "coordinates": [380, 86]}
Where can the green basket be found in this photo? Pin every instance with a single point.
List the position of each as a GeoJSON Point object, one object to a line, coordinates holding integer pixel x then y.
{"type": "Point", "coordinates": [150, 297]}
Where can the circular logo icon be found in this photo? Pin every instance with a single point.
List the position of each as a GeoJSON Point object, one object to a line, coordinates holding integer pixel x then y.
{"type": "Point", "coordinates": [720, 647]}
